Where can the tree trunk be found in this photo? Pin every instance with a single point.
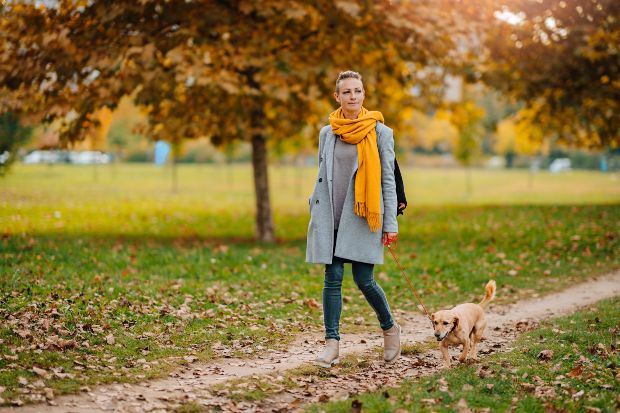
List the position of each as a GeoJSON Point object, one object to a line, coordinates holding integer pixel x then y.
{"type": "Point", "coordinates": [175, 183]}
{"type": "Point", "coordinates": [468, 184]}
{"type": "Point", "coordinates": [264, 222]}
{"type": "Point", "coordinates": [530, 174]}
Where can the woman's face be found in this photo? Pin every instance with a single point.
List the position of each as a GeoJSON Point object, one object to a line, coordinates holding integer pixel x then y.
{"type": "Point", "coordinates": [351, 95]}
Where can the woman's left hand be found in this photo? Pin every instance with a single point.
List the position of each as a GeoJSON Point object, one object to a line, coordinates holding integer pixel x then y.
{"type": "Point", "coordinates": [389, 237]}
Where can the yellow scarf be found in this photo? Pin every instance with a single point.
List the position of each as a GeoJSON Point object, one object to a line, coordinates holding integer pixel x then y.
{"type": "Point", "coordinates": [361, 132]}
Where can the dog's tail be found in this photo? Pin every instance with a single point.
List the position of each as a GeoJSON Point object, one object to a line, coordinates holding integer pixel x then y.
{"type": "Point", "coordinates": [489, 293]}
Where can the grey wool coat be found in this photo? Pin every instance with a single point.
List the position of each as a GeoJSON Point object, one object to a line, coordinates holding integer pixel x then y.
{"type": "Point", "coordinates": [355, 241]}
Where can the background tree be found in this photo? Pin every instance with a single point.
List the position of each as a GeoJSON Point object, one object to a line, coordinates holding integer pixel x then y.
{"type": "Point", "coordinates": [561, 59]}
{"type": "Point", "coordinates": [238, 70]}
{"type": "Point", "coordinates": [12, 136]}
{"type": "Point", "coordinates": [466, 117]}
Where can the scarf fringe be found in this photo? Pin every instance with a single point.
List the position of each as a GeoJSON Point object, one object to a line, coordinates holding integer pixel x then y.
{"type": "Point", "coordinates": [373, 218]}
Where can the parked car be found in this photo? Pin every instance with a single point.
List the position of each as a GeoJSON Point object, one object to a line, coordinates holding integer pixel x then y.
{"type": "Point", "coordinates": [4, 157]}
{"type": "Point", "coordinates": [74, 157]}
{"type": "Point", "coordinates": [560, 165]}
{"type": "Point", "coordinates": [35, 157]}
{"type": "Point", "coordinates": [88, 157]}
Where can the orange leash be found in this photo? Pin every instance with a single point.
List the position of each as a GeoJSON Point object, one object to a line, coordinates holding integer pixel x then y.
{"type": "Point", "coordinates": [410, 285]}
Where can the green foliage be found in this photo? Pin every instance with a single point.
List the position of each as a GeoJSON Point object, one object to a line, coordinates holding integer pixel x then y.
{"type": "Point", "coordinates": [12, 136]}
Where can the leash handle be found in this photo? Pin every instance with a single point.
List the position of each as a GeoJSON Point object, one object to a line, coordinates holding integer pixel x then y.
{"type": "Point", "coordinates": [409, 282]}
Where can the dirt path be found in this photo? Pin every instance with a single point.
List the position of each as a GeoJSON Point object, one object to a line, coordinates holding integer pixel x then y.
{"type": "Point", "coordinates": [193, 382]}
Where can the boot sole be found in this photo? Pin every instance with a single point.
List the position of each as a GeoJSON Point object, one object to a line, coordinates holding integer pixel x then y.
{"type": "Point", "coordinates": [394, 359]}
{"type": "Point", "coordinates": [326, 365]}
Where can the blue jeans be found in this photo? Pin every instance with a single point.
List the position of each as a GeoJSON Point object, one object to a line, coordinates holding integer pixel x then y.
{"type": "Point", "coordinates": [332, 295]}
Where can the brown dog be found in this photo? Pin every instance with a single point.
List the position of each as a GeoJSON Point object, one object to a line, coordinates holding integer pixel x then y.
{"type": "Point", "coordinates": [464, 324]}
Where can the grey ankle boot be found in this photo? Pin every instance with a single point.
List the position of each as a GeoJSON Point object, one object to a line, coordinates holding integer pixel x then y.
{"type": "Point", "coordinates": [329, 356]}
{"type": "Point", "coordinates": [391, 343]}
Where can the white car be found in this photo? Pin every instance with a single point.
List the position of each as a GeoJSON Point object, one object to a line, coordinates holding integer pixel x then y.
{"type": "Point", "coordinates": [88, 157]}
{"type": "Point", "coordinates": [560, 165]}
{"type": "Point", "coordinates": [35, 157]}
{"type": "Point", "coordinates": [75, 157]}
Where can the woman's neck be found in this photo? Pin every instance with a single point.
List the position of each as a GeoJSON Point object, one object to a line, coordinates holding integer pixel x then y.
{"type": "Point", "coordinates": [350, 115]}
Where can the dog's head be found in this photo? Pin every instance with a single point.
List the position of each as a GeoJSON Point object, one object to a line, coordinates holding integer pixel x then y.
{"type": "Point", "coordinates": [443, 323]}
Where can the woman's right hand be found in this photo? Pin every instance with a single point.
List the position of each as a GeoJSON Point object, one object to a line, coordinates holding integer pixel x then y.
{"type": "Point", "coordinates": [389, 238]}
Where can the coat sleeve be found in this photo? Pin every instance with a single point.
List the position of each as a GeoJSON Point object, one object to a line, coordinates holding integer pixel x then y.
{"type": "Point", "coordinates": [385, 143]}
{"type": "Point", "coordinates": [318, 158]}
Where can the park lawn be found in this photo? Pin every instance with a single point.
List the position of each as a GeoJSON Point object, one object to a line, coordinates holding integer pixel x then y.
{"type": "Point", "coordinates": [120, 280]}
{"type": "Point", "coordinates": [569, 364]}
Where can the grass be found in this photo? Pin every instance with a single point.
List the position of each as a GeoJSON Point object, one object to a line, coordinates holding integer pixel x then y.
{"type": "Point", "coordinates": [118, 279]}
{"type": "Point", "coordinates": [568, 365]}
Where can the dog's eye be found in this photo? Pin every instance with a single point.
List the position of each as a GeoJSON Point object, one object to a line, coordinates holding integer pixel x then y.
{"type": "Point", "coordinates": [436, 322]}
{"type": "Point", "coordinates": [445, 323]}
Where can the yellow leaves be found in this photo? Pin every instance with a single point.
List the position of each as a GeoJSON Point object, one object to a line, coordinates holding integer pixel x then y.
{"type": "Point", "coordinates": [173, 57]}
{"type": "Point", "coordinates": [97, 125]}
{"type": "Point", "coordinates": [505, 137]}
{"type": "Point", "coordinates": [179, 92]}
{"type": "Point", "coordinates": [158, 128]}
{"type": "Point", "coordinates": [295, 11]}
{"type": "Point", "coordinates": [350, 7]}
{"type": "Point", "coordinates": [529, 137]}
{"type": "Point", "coordinates": [464, 115]}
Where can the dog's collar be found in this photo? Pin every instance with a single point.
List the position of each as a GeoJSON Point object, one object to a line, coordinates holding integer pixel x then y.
{"type": "Point", "coordinates": [449, 332]}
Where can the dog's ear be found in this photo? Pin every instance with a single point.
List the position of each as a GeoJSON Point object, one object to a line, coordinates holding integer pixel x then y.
{"type": "Point", "coordinates": [455, 320]}
{"type": "Point", "coordinates": [433, 317]}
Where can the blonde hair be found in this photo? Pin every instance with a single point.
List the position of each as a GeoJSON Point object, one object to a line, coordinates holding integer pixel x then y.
{"type": "Point", "coordinates": [348, 74]}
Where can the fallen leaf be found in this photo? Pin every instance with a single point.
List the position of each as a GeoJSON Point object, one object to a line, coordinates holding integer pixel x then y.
{"type": "Point", "coordinates": [40, 372]}
{"type": "Point", "coordinates": [545, 355]}
{"type": "Point", "coordinates": [462, 407]}
{"type": "Point", "coordinates": [312, 303]}
{"type": "Point", "coordinates": [575, 371]}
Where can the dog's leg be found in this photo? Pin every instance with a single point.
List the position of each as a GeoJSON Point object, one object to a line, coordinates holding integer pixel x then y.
{"type": "Point", "coordinates": [445, 354]}
{"type": "Point", "coordinates": [477, 337]}
{"type": "Point", "coordinates": [466, 347]}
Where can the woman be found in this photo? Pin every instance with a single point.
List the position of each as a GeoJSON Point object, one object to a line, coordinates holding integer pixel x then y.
{"type": "Point", "coordinates": [353, 211]}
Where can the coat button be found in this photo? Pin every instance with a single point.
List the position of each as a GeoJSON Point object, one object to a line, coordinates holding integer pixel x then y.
{"type": "Point", "coordinates": [317, 201]}
{"type": "Point", "coordinates": [320, 179]}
